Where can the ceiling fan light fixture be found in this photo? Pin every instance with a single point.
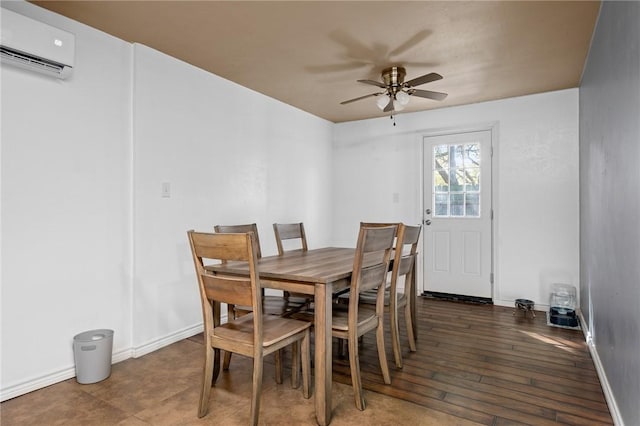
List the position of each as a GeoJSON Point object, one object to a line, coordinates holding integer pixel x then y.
{"type": "Point", "coordinates": [382, 101]}
{"type": "Point", "coordinates": [397, 106]}
{"type": "Point", "coordinates": [402, 98]}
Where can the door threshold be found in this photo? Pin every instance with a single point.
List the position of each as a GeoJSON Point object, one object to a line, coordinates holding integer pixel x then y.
{"type": "Point", "coordinates": [457, 297]}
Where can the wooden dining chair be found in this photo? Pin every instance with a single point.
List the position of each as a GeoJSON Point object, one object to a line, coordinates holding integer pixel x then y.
{"type": "Point", "coordinates": [404, 258]}
{"type": "Point", "coordinates": [254, 335]}
{"type": "Point", "coordinates": [288, 232]}
{"type": "Point", "coordinates": [272, 305]}
{"type": "Point", "coordinates": [370, 266]}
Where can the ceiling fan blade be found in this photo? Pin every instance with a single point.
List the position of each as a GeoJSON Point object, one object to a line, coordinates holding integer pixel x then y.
{"type": "Point", "coordinates": [373, 82]}
{"type": "Point", "coordinates": [361, 97]}
{"type": "Point", "coordinates": [415, 64]}
{"type": "Point", "coordinates": [321, 69]}
{"type": "Point", "coordinates": [389, 107]}
{"type": "Point", "coordinates": [417, 38]}
{"type": "Point", "coordinates": [436, 96]}
{"type": "Point", "coordinates": [355, 49]}
{"type": "Point", "coordinates": [427, 78]}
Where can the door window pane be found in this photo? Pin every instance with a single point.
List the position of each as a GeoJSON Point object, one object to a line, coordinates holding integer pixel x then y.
{"type": "Point", "coordinates": [456, 152]}
{"type": "Point", "coordinates": [456, 180]}
{"type": "Point", "coordinates": [472, 155]}
{"type": "Point", "coordinates": [441, 181]}
{"type": "Point", "coordinates": [441, 157]}
{"type": "Point", "coordinates": [472, 205]}
{"type": "Point", "coordinates": [442, 205]}
{"type": "Point", "coordinates": [457, 204]}
{"type": "Point", "coordinates": [472, 180]}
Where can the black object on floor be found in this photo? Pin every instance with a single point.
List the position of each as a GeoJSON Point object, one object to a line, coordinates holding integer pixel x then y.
{"type": "Point", "coordinates": [525, 305]}
{"type": "Point", "coordinates": [457, 297]}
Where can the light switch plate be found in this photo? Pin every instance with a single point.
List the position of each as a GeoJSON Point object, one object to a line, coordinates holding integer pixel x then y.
{"type": "Point", "coordinates": [166, 190]}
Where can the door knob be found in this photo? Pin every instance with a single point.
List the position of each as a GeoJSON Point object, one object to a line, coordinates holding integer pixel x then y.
{"type": "Point", "coordinates": [428, 211]}
{"type": "Point", "coordinates": [427, 222]}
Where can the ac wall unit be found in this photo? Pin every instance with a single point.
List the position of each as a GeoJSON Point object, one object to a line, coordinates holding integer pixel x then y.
{"type": "Point", "coordinates": [33, 45]}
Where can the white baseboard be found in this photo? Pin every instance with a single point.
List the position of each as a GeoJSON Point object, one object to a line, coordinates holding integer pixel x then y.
{"type": "Point", "coordinates": [606, 388]}
{"type": "Point", "coordinates": [52, 378]}
{"type": "Point", "coordinates": [70, 372]}
{"type": "Point", "coordinates": [156, 344]}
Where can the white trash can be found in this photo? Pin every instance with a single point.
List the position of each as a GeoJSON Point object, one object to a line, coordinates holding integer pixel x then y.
{"type": "Point", "coordinates": [92, 352]}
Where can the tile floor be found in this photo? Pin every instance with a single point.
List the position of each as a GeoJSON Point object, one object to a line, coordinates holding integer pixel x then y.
{"type": "Point", "coordinates": [161, 388]}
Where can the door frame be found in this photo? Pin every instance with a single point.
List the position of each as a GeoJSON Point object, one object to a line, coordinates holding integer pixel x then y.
{"type": "Point", "coordinates": [493, 128]}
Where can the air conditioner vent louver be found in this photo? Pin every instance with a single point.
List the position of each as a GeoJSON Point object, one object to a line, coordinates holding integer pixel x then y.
{"type": "Point", "coordinates": [35, 46]}
{"type": "Point", "coordinates": [32, 61]}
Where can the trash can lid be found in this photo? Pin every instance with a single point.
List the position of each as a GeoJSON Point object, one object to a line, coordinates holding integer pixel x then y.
{"type": "Point", "coordinates": [93, 335]}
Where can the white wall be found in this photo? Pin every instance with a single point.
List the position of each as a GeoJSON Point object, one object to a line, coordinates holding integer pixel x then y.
{"type": "Point", "coordinates": [65, 207]}
{"type": "Point", "coordinates": [87, 241]}
{"type": "Point", "coordinates": [610, 205]}
{"type": "Point", "coordinates": [535, 183]}
{"type": "Point", "coordinates": [231, 156]}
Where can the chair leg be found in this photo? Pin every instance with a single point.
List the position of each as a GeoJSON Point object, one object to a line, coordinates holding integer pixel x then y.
{"type": "Point", "coordinates": [257, 389]}
{"type": "Point", "coordinates": [279, 356]}
{"type": "Point", "coordinates": [410, 335]}
{"type": "Point", "coordinates": [216, 366]}
{"type": "Point", "coordinates": [340, 347]}
{"type": "Point", "coordinates": [395, 336]}
{"type": "Point", "coordinates": [227, 360]}
{"type": "Point", "coordinates": [306, 365]}
{"type": "Point", "coordinates": [207, 375]}
{"type": "Point", "coordinates": [295, 365]}
{"type": "Point", "coordinates": [382, 354]}
{"type": "Point", "coordinates": [356, 381]}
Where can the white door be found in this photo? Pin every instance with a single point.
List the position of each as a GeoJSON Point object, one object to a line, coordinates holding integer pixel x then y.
{"type": "Point", "coordinates": [457, 214]}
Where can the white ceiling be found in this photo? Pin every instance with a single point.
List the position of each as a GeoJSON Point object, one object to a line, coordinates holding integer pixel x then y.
{"type": "Point", "coordinates": [310, 54]}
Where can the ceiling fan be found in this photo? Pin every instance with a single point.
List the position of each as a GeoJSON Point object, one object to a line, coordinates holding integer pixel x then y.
{"type": "Point", "coordinates": [397, 92]}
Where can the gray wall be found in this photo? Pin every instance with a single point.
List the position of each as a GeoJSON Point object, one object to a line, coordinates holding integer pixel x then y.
{"type": "Point", "coordinates": [609, 201]}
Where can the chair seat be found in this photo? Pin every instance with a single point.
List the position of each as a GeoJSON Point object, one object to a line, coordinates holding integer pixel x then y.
{"type": "Point", "coordinates": [275, 329]}
{"type": "Point", "coordinates": [366, 315]}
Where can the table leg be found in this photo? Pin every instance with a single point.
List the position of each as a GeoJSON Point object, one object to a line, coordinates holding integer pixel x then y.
{"type": "Point", "coordinates": [323, 361]}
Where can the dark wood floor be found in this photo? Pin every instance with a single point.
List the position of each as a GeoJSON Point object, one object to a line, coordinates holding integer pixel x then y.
{"type": "Point", "coordinates": [482, 363]}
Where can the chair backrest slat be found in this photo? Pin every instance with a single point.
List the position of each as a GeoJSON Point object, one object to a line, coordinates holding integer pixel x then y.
{"type": "Point", "coordinates": [230, 290]}
{"type": "Point", "coordinates": [223, 247]}
{"type": "Point", "coordinates": [371, 277]}
{"type": "Point", "coordinates": [378, 240]}
{"type": "Point", "coordinates": [242, 229]}
{"type": "Point", "coordinates": [405, 264]}
{"type": "Point", "coordinates": [289, 231]}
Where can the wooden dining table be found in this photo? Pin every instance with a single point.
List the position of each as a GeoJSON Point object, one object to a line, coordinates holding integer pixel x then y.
{"type": "Point", "coordinates": [321, 273]}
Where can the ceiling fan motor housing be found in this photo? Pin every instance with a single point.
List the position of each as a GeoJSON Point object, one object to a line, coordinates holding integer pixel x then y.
{"type": "Point", "coordinates": [393, 78]}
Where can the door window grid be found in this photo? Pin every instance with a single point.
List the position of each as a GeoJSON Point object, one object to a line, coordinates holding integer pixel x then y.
{"type": "Point", "coordinates": [456, 180]}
